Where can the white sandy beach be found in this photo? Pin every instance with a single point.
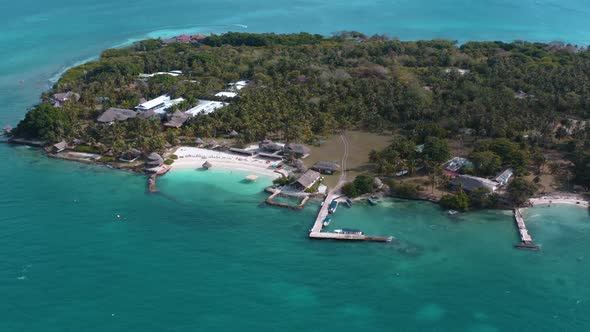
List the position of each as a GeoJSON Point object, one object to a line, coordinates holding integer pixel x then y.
{"type": "Point", "coordinates": [190, 157]}
{"type": "Point", "coordinates": [560, 199]}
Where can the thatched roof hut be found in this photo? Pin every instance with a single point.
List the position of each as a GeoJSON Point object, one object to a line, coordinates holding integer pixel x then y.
{"type": "Point", "coordinates": [326, 167]}
{"type": "Point", "coordinates": [154, 160]}
{"type": "Point", "coordinates": [299, 150]}
{"type": "Point", "coordinates": [207, 165]}
{"type": "Point", "coordinates": [308, 179]}
{"type": "Point", "coordinates": [176, 119]}
{"type": "Point", "coordinates": [199, 141]}
{"type": "Point", "coordinates": [114, 114]}
{"type": "Point", "coordinates": [233, 134]}
{"type": "Point", "coordinates": [59, 147]}
{"type": "Point", "coordinates": [130, 155]}
{"type": "Point", "coordinates": [270, 146]}
{"type": "Point", "coordinates": [212, 143]}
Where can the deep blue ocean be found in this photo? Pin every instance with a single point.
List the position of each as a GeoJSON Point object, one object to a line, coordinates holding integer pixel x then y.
{"type": "Point", "coordinates": [205, 255]}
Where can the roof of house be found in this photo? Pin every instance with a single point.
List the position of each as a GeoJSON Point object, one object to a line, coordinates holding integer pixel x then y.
{"type": "Point", "coordinates": [298, 148]}
{"type": "Point", "coordinates": [176, 119]}
{"type": "Point", "coordinates": [470, 183]}
{"type": "Point", "coordinates": [61, 145]}
{"type": "Point", "coordinates": [206, 106]}
{"type": "Point", "coordinates": [154, 102]}
{"type": "Point", "coordinates": [504, 176]}
{"type": "Point", "coordinates": [326, 165]}
{"type": "Point", "coordinates": [233, 133]}
{"type": "Point", "coordinates": [116, 114]}
{"type": "Point", "coordinates": [308, 178]}
{"type": "Point", "coordinates": [199, 141]}
{"type": "Point", "coordinates": [183, 38]}
{"type": "Point", "coordinates": [457, 163]}
{"type": "Point", "coordinates": [226, 94]}
{"type": "Point", "coordinates": [66, 95]}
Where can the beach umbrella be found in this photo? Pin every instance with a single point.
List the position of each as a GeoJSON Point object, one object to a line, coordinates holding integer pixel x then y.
{"type": "Point", "coordinates": [207, 165]}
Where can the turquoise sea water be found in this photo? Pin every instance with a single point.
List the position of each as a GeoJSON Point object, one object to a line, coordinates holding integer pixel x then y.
{"type": "Point", "coordinates": [205, 255]}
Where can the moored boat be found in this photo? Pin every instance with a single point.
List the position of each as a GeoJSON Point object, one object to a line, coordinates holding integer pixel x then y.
{"type": "Point", "coordinates": [373, 200]}
{"type": "Point", "coordinates": [348, 231]}
{"type": "Point", "coordinates": [327, 221]}
{"type": "Point", "coordinates": [348, 202]}
{"type": "Point", "coordinates": [453, 212]}
{"type": "Point", "coordinates": [333, 206]}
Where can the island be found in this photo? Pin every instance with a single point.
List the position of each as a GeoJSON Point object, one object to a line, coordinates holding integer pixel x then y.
{"type": "Point", "coordinates": [472, 126]}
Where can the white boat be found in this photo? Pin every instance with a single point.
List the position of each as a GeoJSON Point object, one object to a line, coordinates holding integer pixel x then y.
{"type": "Point", "coordinates": [453, 212]}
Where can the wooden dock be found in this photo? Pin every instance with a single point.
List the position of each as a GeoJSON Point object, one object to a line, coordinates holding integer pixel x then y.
{"type": "Point", "coordinates": [317, 234]}
{"type": "Point", "coordinates": [526, 240]}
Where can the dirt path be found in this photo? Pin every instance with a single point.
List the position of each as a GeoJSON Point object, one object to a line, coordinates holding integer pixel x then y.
{"type": "Point", "coordinates": [344, 162]}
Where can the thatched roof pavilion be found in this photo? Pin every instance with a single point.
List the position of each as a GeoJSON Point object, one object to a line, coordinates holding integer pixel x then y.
{"type": "Point", "coordinates": [176, 119]}
{"type": "Point", "coordinates": [212, 143]}
{"type": "Point", "coordinates": [233, 134]}
{"type": "Point", "coordinates": [130, 155]}
{"type": "Point", "coordinates": [326, 167]}
{"type": "Point", "coordinates": [154, 160]}
{"type": "Point", "coordinates": [114, 114]}
{"type": "Point", "coordinates": [307, 179]}
{"type": "Point", "coordinates": [59, 147]}
{"type": "Point", "coordinates": [207, 165]}
{"type": "Point", "coordinates": [270, 146]}
{"type": "Point", "coordinates": [199, 141]}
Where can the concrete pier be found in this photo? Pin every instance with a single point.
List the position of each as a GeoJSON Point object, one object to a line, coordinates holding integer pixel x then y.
{"type": "Point", "coordinates": [525, 238]}
{"type": "Point", "coordinates": [317, 234]}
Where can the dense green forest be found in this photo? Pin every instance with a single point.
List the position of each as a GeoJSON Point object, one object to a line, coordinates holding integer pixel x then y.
{"type": "Point", "coordinates": [304, 86]}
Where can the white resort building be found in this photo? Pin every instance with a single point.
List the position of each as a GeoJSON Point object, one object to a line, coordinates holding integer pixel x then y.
{"type": "Point", "coordinates": [226, 94]}
{"type": "Point", "coordinates": [206, 107]}
{"type": "Point", "coordinates": [239, 85]}
{"type": "Point", "coordinates": [159, 105]}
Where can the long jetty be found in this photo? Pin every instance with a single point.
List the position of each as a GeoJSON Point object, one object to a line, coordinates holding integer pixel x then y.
{"type": "Point", "coordinates": [526, 240]}
{"type": "Point", "coordinates": [317, 234]}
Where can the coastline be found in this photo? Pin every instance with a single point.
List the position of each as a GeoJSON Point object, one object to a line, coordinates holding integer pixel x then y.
{"type": "Point", "coordinates": [190, 157]}
{"type": "Point", "coordinates": [564, 199]}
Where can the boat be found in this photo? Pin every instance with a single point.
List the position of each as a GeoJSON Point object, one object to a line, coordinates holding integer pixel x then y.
{"type": "Point", "coordinates": [333, 206]}
{"type": "Point", "coordinates": [348, 231]}
{"type": "Point", "coordinates": [453, 212]}
{"type": "Point", "coordinates": [327, 221]}
{"type": "Point", "coordinates": [348, 202]}
{"type": "Point", "coordinates": [373, 200]}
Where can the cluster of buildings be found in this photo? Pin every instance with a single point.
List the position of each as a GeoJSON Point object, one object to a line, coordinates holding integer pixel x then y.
{"type": "Point", "coordinates": [470, 182]}
{"type": "Point", "coordinates": [159, 106]}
